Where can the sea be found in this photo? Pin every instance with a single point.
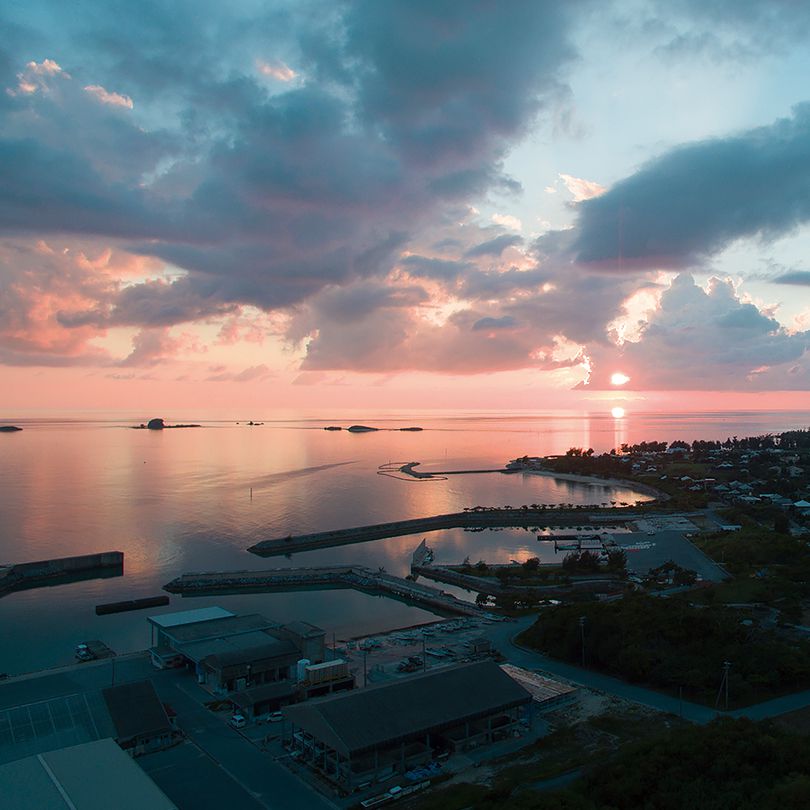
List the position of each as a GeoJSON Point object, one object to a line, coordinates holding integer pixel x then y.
{"type": "Point", "coordinates": [192, 500]}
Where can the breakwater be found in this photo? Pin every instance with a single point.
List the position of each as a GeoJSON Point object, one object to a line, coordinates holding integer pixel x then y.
{"type": "Point", "coordinates": [349, 576]}
{"type": "Point", "coordinates": [59, 571]}
{"type": "Point", "coordinates": [488, 518]}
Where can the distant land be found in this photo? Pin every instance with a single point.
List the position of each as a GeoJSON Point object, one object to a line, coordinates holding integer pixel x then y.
{"type": "Point", "coordinates": [367, 429]}
{"type": "Point", "coordinates": [159, 424]}
{"type": "Point", "coordinates": [9, 429]}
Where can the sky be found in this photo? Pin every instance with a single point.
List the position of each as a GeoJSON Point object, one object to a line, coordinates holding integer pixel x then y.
{"type": "Point", "coordinates": [405, 204]}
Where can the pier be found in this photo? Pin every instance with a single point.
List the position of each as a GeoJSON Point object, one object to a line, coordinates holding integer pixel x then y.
{"type": "Point", "coordinates": [485, 518]}
{"type": "Point", "coordinates": [60, 571]}
{"type": "Point", "coordinates": [349, 576]}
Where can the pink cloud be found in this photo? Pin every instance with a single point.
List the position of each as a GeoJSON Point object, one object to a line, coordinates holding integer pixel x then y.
{"type": "Point", "coordinates": [276, 69]}
{"type": "Point", "coordinates": [106, 97]}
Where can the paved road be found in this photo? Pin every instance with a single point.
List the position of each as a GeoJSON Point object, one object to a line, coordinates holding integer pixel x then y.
{"type": "Point", "coordinates": [502, 635]}
{"type": "Point", "coordinates": [269, 783]}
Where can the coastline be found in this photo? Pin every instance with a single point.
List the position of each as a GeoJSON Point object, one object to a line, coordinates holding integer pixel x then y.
{"type": "Point", "coordinates": [645, 489]}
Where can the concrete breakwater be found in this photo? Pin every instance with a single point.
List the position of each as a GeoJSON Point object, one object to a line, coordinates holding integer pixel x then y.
{"type": "Point", "coordinates": [60, 570]}
{"type": "Point", "coordinates": [350, 576]}
{"type": "Point", "coordinates": [491, 518]}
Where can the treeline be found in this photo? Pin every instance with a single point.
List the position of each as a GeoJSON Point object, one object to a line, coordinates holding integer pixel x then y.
{"type": "Point", "coordinates": [726, 765]}
{"type": "Point", "coordinates": [672, 645]}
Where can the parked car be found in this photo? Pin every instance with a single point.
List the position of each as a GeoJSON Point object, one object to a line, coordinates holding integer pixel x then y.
{"type": "Point", "coordinates": [238, 721]}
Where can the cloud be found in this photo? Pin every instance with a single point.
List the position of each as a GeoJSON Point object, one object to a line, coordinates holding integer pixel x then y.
{"type": "Point", "coordinates": [276, 70]}
{"type": "Point", "coordinates": [581, 189]}
{"type": "Point", "coordinates": [798, 277]}
{"type": "Point", "coordinates": [494, 247]}
{"type": "Point", "coordinates": [508, 221]}
{"type": "Point", "coordinates": [695, 200]}
{"type": "Point", "coordinates": [105, 97]}
{"type": "Point", "coordinates": [706, 339]}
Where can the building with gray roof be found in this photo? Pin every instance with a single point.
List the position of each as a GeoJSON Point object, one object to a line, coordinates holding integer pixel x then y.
{"type": "Point", "coordinates": [96, 775]}
{"type": "Point", "coordinates": [375, 732]}
{"type": "Point", "coordinates": [140, 719]}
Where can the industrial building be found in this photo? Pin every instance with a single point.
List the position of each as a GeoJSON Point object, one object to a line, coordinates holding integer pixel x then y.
{"type": "Point", "coordinates": [96, 775]}
{"type": "Point", "coordinates": [373, 733]}
{"type": "Point", "coordinates": [259, 664]}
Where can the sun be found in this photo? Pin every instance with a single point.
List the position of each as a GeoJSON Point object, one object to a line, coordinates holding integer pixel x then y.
{"type": "Point", "coordinates": [617, 378]}
{"type": "Point", "coordinates": [617, 412]}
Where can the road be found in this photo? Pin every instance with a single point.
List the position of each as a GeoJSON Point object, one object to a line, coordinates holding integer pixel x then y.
{"type": "Point", "coordinates": [502, 637]}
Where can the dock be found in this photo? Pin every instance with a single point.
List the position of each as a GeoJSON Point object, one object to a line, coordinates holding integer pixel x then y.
{"type": "Point", "coordinates": [131, 604]}
{"type": "Point", "coordinates": [60, 571]}
{"type": "Point", "coordinates": [485, 518]}
{"type": "Point", "coordinates": [350, 576]}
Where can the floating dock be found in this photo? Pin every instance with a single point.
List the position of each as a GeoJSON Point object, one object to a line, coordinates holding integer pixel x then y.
{"type": "Point", "coordinates": [351, 576]}
{"type": "Point", "coordinates": [489, 518]}
{"type": "Point", "coordinates": [62, 570]}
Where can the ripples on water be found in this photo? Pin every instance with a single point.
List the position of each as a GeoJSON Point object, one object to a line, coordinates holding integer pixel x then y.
{"type": "Point", "coordinates": [178, 501]}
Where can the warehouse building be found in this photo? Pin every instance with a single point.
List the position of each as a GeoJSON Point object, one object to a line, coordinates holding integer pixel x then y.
{"type": "Point", "coordinates": [259, 664]}
{"type": "Point", "coordinates": [96, 775]}
{"type": "Point", "coordinates": [373, 733]}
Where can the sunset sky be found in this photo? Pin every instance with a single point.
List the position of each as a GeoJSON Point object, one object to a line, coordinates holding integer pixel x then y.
{"type": "Point", "coordinates": [405, 204]}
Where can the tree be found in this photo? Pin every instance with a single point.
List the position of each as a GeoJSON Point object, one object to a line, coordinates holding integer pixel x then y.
{"type": "Point", "coordinates": [532, 564]}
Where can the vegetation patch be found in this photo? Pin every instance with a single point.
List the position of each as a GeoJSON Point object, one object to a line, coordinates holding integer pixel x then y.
{"type": "Point", "coordinates": [673, 645]}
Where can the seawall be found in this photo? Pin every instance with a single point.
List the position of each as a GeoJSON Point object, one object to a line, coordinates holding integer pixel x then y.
{"type": "Point", "coordinates": [49, 572]}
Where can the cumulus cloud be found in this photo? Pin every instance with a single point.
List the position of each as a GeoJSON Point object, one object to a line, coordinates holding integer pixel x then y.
{"type": "Point", "coordinates": [706, 339]}
{"type": "Point", "coordinates": [581, 189]}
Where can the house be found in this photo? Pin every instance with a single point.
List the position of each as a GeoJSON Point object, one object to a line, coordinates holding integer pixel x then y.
{"type": "Point", "coordinates": [140, 719]}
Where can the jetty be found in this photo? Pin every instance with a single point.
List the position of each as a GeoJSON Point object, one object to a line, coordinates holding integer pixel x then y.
{"type": "Point", "coordinates": [357, 577]}
{"type": "Point", "coordinates": [60, 571]}
{"type": "Point", "coordinates": [489, 518]}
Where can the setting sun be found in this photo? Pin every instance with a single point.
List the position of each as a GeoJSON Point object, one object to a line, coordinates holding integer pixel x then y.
{"type": "Point", "coordinates": [618, 378]}
{"type": "Point", "coordinates": [617, 412]}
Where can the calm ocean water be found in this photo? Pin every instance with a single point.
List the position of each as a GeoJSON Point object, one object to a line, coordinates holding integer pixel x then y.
{"type": "Point", "coordinates": [179, 501]}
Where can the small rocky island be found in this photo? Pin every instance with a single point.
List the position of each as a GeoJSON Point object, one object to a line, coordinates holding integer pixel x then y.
{"type": "Point", "coordinates": [361, 429]}
{"type": "Point", "coordinates": [9, 429]}
{"type": "Point", "coordinates": [159, 424]}
{"type": "Point", "coordinates": [333, 427]}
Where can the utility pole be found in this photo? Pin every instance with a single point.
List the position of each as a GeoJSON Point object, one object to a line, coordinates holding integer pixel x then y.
{"type": "Point", "coordinates": [582, 637]}
{"type": "Point", "coordinates": [365, 668]}
{"type": "Point", "coordinates": [723, 686]}
{"type": "Point", "coordinates": [424, 655]}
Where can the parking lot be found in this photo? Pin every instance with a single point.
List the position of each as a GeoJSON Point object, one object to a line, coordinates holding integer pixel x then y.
{"type": "Point", "coordinates": [49, 724]}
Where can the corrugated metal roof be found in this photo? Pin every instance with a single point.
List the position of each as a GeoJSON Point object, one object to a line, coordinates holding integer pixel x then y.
{"type": "Point", "coordinates": [380, 715]}
{"type": "Point", "coordinates": [218, 628]}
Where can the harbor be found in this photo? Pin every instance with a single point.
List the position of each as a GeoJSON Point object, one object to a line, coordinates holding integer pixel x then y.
{"type": "Point", "coordinates": [351, 576]}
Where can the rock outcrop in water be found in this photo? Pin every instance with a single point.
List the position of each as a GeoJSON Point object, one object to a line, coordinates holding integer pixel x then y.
{"type": "Point", "coordinates": [159, 424]}
{"type": "Point", "coordinates": [9, 429]}
{"type": "Point", "coordinates": [361, 429]}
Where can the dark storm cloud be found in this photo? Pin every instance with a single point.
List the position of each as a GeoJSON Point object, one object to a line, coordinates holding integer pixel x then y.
{"type": "Point", "coordinates": [504, 322]}
{"type": "Point", "coordinates": [439, 269]}
{"type": "Point", "coordinates": [696, 199]}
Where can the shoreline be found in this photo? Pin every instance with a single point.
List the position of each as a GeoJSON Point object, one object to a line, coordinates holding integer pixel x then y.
{"type": "Point", "coordinates": [644, 489]}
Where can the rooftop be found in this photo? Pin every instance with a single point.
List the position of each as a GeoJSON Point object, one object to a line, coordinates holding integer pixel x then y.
{"type": "Point", "coordinates": [136, 710]}
{"type": "Point", "coordinates": [218, 628]}
{"type": "Point", "coordinates": [378, 715]}
{"type": "Point", "coordinates": [93, 776]}
{"type": "Point", "coordinates": [189, 616]}
{"type": "Point", "coordinates": [230, 651]}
